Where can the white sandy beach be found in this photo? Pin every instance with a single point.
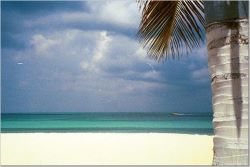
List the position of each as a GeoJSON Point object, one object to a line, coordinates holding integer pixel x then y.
{"type": "Point", "coordinates": [105, 149]}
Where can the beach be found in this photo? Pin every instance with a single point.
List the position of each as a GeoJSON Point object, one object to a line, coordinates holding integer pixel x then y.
{"type": "Point", "coordinates": [106, 149]}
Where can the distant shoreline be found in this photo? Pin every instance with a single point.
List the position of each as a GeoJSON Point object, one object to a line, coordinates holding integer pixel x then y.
{"type": "Point", "coordinates": [111, 131]}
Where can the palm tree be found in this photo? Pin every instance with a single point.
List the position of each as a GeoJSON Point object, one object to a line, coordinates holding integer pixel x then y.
{"type": "Point", "coordinates": [171, 28]}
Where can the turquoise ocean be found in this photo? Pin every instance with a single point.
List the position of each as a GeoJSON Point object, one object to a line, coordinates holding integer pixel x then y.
{"type": "Point", "coordinates": [189, 123]}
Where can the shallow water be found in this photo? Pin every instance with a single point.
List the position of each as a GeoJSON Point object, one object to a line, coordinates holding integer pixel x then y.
{"type": "Point", "coordinates": [190, 123]}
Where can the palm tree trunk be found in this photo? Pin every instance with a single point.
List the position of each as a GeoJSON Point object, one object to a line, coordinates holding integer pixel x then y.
{"type": "Point", "coordinates": [227, 44]}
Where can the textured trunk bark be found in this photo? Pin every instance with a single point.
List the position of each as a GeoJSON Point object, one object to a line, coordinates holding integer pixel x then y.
{"type": "Point", "coordinates": [227, 44]}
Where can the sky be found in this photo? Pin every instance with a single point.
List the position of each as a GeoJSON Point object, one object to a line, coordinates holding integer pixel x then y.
{"type": "Point", "coordinates": [85, 57]}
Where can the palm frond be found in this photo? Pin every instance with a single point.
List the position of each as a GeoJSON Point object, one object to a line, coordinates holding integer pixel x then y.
{"type": "Point", "coordinates": [168, 28]}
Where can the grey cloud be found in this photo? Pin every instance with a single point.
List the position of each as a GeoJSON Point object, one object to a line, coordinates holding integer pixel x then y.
{"type": "Point", "coordinates": [91, 61]}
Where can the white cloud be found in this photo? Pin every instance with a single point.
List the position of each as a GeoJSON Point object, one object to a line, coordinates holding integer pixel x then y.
{"type": "Point", "coordinates": [124, 14]}
{"type": "Point", "coordinates": [101, 47]}
{"type": "Point", "coordinates": [141, 53]}
{"type": "Point", "coordinates": [42, 44]}
{"type": "Point", "coordinates": [68, 43]}
{"type": "Point", "coordinates": [200, 75]}
{"type": "Point", "coordinates": [152, 75]}
{"type": "Point", "coordinates": [115, 51]}
{"type": "Point", "coordinates": [87, 60]}
{"type": "Point", "coordinates": [99, 52]}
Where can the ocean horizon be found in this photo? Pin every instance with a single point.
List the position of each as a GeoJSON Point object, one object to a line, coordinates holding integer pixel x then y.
{"type": "Point", "coordinates": [114, 122]}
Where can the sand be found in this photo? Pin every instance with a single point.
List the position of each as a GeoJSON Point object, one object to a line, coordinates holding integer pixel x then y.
{"type": "Point", "coordinates": [105, 149]}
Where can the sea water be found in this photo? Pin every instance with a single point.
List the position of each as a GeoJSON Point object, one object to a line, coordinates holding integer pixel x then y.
{"type": "Point", "coordinates": [115, 122]}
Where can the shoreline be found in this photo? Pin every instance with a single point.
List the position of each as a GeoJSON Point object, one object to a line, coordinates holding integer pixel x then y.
{"type": "Point", "coordinates": [102, 132]}
{"type": "Point", "coordinates": [106, 149]}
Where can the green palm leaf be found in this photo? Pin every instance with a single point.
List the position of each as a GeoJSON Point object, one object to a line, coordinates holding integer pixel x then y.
{"type": "Point", "coordinates": [168, 28]}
